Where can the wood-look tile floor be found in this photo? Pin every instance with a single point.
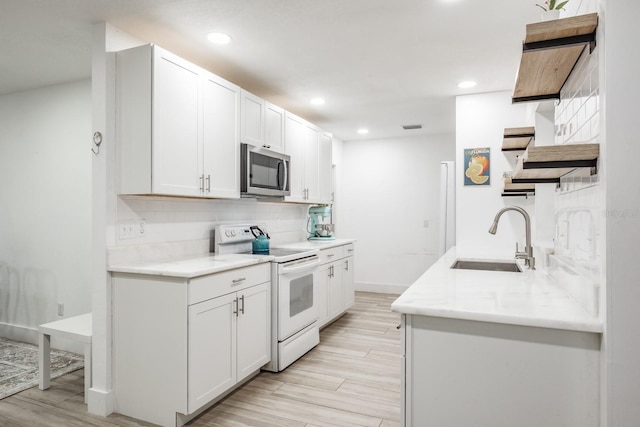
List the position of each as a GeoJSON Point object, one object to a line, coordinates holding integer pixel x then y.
{"type": "Point", "coordinates": [351, 379]}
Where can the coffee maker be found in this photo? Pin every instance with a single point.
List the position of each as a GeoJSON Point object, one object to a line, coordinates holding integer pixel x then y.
{"type": "Point", "coordinates": [319, 224]}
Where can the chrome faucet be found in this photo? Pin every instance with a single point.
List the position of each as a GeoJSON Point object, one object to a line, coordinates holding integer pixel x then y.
{"type": "Point", "coordinates": [527, 255]}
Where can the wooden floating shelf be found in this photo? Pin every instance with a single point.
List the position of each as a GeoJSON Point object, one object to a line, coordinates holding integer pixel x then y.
{"type": "Point", "coordinates": [511, 194]}
{"type": "Point", "coordinates": [511, 187]}
{"type": "Point", "coordinates": [549, 163]}
{"type": "Point", "coordinates": [549, 53]}
{"type": "Point", "coordinates": [517, 139]}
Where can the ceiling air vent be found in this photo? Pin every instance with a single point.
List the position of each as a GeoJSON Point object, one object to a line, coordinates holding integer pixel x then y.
{"type": "Point", "coordinates": [411, 127]}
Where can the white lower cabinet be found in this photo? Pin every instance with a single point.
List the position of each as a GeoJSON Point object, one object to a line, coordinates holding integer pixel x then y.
{"type": "Point", "coordinates": [469, 373]}
{"type": "Point", "coordinates": [180, 344]}
{"type": "Point", "coordinates": [333, 283]}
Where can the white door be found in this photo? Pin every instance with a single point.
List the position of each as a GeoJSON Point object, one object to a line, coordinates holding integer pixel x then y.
{"type": "Point", "coordinates": [221, 148]}
{"type": "Point", "coordinates": [296, 307]}
{"type": "Point", "coordinates": [320, 292]}
{"type": "Point", "coordinates": [274, 128]}
{"type": "Point", "coordinates": [252, 119]}
{"type": "Point", "coordinates": [294, 147]}
{"type": "Point", "coordinates": [335, 297]}
{"type": "Point", "coordinates": [325, 168]}
{"type": "Point", "coordinates": [347, 282]}
{"type": "Point", "coordinates": [311, 162]}
{"type": "Point", "coordinates": [212, 349]}
{"type": "Point", "coordinates": [176, 164]}
{"type": "Point", "coordinates": [254, 329]}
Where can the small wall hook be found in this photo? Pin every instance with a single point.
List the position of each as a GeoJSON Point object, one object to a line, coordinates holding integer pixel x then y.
{"type": "Point", "coordinates": [97, 140]}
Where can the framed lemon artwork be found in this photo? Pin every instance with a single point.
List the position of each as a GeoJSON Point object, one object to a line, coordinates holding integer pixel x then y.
{"type": "Point", "coordinates": [477, 166]}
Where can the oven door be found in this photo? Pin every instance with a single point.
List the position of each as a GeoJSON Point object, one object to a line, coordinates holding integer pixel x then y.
{"type": "Point", "coordinates": [296, 307]}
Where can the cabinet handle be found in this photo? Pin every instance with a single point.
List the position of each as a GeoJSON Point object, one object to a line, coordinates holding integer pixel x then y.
{"type": "Point", "coordinates": [266, 145]}
{"type": "Point", "coordinates": [349, 250]}
{"type": "Point", "coordinates": [202, 183]}
{"type": "Point", "coordinates": [346, 265]}
{"type": "Point", "coordinates": [236, 282]}
{"type": "Point", "coordinates": [242, 299]}
{"type": "Point", "coordinates": [235, 307]}
{"type": "Point", "coordinates": [330, 255]}
{"type": "Point", "coordinates": [208, 183]}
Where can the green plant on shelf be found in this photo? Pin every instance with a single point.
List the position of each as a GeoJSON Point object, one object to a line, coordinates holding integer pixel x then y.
{"type": "Point", "coordinates": [552, 5]}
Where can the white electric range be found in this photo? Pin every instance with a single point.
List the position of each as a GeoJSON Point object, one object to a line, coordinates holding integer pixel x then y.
{"type": "Point", "coordinates": [294, 316]}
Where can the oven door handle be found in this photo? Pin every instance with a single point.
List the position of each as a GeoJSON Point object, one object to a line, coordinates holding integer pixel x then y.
{"type": "Point", "coordinates": [296, 268]}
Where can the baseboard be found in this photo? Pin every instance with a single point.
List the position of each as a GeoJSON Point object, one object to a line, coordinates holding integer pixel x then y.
{"type": "Point", "coordinates": [381, 288]}
{"type": "Point", "coordinates": [19, 333]}
{"type": "Point", "coordinates": [100, 402]}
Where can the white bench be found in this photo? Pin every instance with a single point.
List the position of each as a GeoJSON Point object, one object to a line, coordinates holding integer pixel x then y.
{"type": "Point", "coordinates": [77, 328]}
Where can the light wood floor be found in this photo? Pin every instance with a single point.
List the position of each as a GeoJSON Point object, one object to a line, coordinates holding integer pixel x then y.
{"type": "Point", "coordinates": [351, 379]}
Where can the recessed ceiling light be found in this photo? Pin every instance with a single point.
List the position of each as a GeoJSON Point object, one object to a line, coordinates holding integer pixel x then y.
{"type": "Point", "coordinates": [363, 131]}
{"type": "Point", "coordinates": [317, 101]}
{"type": "Point", "coordinates": [466, 84]}
{"type": "Point", "coordinates": [219, 38]}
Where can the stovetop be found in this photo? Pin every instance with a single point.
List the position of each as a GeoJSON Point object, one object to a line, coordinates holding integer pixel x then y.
{"type": "Point", "coordinates": [237, 239]}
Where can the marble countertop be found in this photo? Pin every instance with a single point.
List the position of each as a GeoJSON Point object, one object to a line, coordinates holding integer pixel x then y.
{"type": "Point", "coordinates": [192, 267]}
{"type": "Point", "coordinates": [210, 264]}
{"type": "Point", "coordinates": [529, 298]}
{"type": "Point", "coordinates": [317, 244]}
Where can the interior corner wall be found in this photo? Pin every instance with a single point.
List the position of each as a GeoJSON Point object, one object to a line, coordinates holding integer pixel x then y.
{"type": "Point", "coordinates": [621, 67]}
{"type": "Point", "coordinates": [45, 170]}
{"type": "Point", "coordinates": [480, 122]}
{"type": "Point", "coordinates": [389, 201]}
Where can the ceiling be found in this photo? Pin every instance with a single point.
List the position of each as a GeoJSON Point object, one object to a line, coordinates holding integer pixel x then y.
{"type": "Point", "coordinates": [379, 64]}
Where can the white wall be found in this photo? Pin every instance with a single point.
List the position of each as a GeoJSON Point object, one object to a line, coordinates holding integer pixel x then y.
{"type": "Point", "coordinates": [480, 122]}
{"type": "Point", "coordinates": [389, 189]}
{"type": "Point", "coordinates": [620, 70]}
{"type": "Point", "coordinates": [45, 240]}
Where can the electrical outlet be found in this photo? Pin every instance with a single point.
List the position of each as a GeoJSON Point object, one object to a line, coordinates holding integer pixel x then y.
{"type": "Point", "coordinates": [131, 229]}
{"type": "Point", "coordinates": [60, 309]}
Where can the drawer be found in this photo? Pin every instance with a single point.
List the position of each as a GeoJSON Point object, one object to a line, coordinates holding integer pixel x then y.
{"type": "Point", "coordinates": [214, 285]}
{"type": "Point", "coordinates": [348, 250]}
{"type": "Point", "coordinates": [330, 255]}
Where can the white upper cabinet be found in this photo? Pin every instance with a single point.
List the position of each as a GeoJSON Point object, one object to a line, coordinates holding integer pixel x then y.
{"type": "Point", "coordinates": [274, 127]}
{"type": "Point", "coordinates": [177, 127]}
{"type": "Point", "coordinates": [325, 165]}
{"type": "Point", "coordinates": [262, 123]}
{"type": "Point", "coordinates": [221, 151]}
{"type": "Point", "coordinates": [310, 151]}
{"type": "Point", "coordinates": [252, 119]}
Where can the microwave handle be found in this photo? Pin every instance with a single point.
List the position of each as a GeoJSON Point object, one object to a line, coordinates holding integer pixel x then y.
{"type": "Point", "coordinates": [286, 172]}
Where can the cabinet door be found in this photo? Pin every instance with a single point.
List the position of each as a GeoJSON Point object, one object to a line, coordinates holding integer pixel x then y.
{"type": "Point", "coordinates": [324, 168]}
{"type": "Point", "coordinates": [221, 150]}
{"type": "Point", "coordinates": [176, 162]}
{"type": "Point", "coordinates": [254, 329]}
{"type": "Point", "coordinates": [335, 295]}
{"type": "Point", "coordinates": [212, 349]}
{"type": "Point", "coordinates": [320, 292]}
{"type": "Point", "coordinates": [311, 158]}
{"type": "Point", "coordinates": [347, 282]}
{"type": "Point", "coordinates": [274, 128]}
{"type": "Point", "coordinates": [252, 119]}
{"type": "Point", "coordinates": [294, 147]}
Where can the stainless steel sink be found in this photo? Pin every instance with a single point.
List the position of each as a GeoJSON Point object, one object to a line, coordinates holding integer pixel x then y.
{"type": "Point", "coordinates": [487, 265]}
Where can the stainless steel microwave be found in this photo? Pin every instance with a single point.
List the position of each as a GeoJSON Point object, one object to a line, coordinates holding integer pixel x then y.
{"type": "Point", "coordinates": [263, 173]}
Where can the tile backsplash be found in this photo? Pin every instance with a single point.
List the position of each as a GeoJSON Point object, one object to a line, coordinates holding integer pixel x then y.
{"type": "Point", "coordinates": [578, 260]}
{"type": "Point", "coordinates": [175, 227]}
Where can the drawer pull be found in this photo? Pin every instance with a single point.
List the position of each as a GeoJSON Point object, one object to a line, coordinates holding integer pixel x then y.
{"type": "Point", "coordinates": [235, 282]}
{"type": "Point", "coordinates": [330, 255]}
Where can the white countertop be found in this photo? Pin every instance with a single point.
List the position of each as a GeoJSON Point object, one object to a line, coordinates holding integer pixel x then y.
{"type": "Point", "coordinates": [209, 264]}
{"type": "Point", "coordinates": [529, 298]}
{"type": "Point", "coordinates": [192, 267]}
{"type": "Point", "coordinates": [317, 244]}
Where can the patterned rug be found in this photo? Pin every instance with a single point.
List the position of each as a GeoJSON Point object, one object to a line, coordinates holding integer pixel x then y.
{"type": "Point", "coordinates": [19, 365]}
